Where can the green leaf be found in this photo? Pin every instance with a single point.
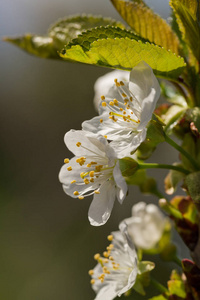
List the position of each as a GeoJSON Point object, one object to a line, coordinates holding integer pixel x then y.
{"type": "Point", "coordinates": [87, 38]}
{"type": "Point", "coordinates": [193, 184]}
{"type": "Point", "coordinates": [192, 6]}
{"type": "Point", "coordinates": [37, 45]}
{"type": "Point", "coordinates": [159, 297]}
{"type": "Point", "coordinates": [147, 24]}
{"type": "Point", "coordinates": [126, 53]}
{"type": "Point", "coordinates": [69, 28]}
{"type": "Point", "coordinates": [128, 166]}
{"type": "Point", "coordinates": [190, 147]}
{"type": "Point", "coordinates": [188, 24]}
{"type": "Point", "coordinates": [145, 266]}
{"type": "Point", "coordinates": [176, 287]}
{"type": "Point", "coordinates": [59, 35]}
{"type": "Point", "coordinates": [155, 135]}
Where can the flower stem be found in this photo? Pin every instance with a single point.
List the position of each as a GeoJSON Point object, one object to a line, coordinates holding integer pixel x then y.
{"type": "Point", "coordinates": [162, 166]}
{"type": "Point", "coordinates": [177, 261]}
{"type": "Point", "coordinates": [161, 288]}
{"type": "Point", "coordinates": [182, 151]}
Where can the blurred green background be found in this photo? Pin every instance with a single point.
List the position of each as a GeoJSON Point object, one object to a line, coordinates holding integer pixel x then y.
{"type": "Point", "coordinates": [46, 242]}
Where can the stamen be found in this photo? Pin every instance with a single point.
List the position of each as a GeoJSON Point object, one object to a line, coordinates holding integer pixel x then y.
{"type": "Point", "coordinates": [115, 102]}
{"type": "Point", "coordinates": [91, 272]}
{"type": "Point", "coordinates": [101, 120]}
{"type": "Point", "coordinates": [102, 97]}
{"type": "Point", "coordinates": [73, 181]}
{"type": "Point", "coordinates": [92, 281]}
{"type": "Point", "coordinates": [76, 193]}
{"type": "Point", "coordinates": [110, 237]}
{"type": "Point", "coordinates": [111, 103]}
{"type": "Point", "coordinates": [124, 95]}
{"type": "Point", "coordinates": [121, 83]}
{"type": "Point", "coordinates": [106, 254]}
{"type": "Point", "coordinates": [91, 173]}
{"type": "Point", "coordinates": [96, 256]}
{"type": "Point", "coordinates": [86, 181]}
{"type": "Point", "coordinates": [80, 197]}
{"type": "Point", "coordinates": [69, 168]}
{"type": "Point", "coordinates": [97, 192]}
{"type": "Point", "coordinates": [78, 144]}
{"type": "Point", "coordinates": [105, 136]}
{"type": "Point", "coordinates": [66, 160]}
{"type": "Point", "coordinates": [103, 104]}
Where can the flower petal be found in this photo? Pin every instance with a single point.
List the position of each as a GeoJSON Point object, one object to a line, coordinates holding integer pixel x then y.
{"type": "Point", "coordinates": [90, 143]}
{"type": "Point", "coordinates": [102, 204]}
{"type": "Point", "coordinates": [123, 147]}
{"type": "Point", "coordinates": [145, 87]}
{"type": "Point", "coordinates": [120, 182]}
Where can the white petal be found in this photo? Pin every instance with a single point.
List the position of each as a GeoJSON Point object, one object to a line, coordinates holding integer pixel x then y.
{"type": "Point", "coordinates": [103, 84]}
{"type": "Point", "coordinates": [145, 87]}
{"type": "Point", "coordinates": [120, 182]}
{"type": "Point", "coordinates": [102, 204]}
{"type": "Point", "coordinates": [107, 292]}
{"type": "Point", "coordinates": [124, 146]}
{"type": "Point", "coordinates": [93, 144]}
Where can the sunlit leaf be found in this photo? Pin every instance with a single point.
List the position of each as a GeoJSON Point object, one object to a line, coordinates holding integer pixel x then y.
{"type": "Point", "coordinates": [188, 24]}
{"type": "Point", "coordinates": [147, 24]}
{"type": "Point", "coordinates": [125, 53]}
{"type": "Point", "coordinates": [59, 35]}
{"type": "Point", "coordinates": [172, 179]}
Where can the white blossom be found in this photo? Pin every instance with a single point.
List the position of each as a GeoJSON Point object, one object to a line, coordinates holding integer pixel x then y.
{"type": "Point", "coordinates": [146, 226]}
{"type": "Point", "coordinates": [93, 171]}
{"type": "Point", "coordinates": [103, 84]}
{"type": "Point", "coordinates": [116, 271]}
{"type": "Point", "coordinates": [126, 110]}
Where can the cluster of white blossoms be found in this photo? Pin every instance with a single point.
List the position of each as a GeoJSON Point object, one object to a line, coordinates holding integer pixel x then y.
{"type": "Point", "coordinates": [116, 271]}
{"type": "Point", "coordinates": [120, 128]}
{"type": "Point", "coordinates": [124, 113]}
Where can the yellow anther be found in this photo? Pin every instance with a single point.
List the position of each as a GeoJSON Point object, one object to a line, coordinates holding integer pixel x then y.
{"type": "Point", "coordinates": [124, 112]}
{"type": "Point", "coordinates": [131, 99]}
{"type": "Point", "coordinates": [78, 144]}
{"type": "Point", "coordinates": [116, 82]}
{"type": "Point", "coordinates": [66, 160]}
{"type": "Point", "coordinates": [105, 270]}
{"type": "Point", "coordinates": [101, 120]}
{"type": "Point", "coordinates": [131, 112]}
{"type": "Point", "coordinates": [73, 181]}
{"type": "Point", "coordinates": [121, 82]}
{"type": "Point", "coordinates": [110, 237]}
{"type": "Point", "coordinates": [86, 181]}
{"type": "Point", "coordinates": [81, 160]}
{"type": "Point", "coordinates": [97, 192]}
{"type": "Point", "coordinates": [111, 257]}
{"type": "Point", "coordinates": [96, 256]}
{"type": "Point", "coordinates": [92, 281]}
{"type": "Point", "coordinates": [103, 104]}
{"type": "Point", "coordinates": [115, 101]}
{"type": "Point", "coordinates": [98, 168]}
{"type": "Point", "coordinates": [88, 165]}
{"type": "Point", "coordinates": [121, 109]}
{"type": "Point", "coordinates": [124, 118]}
{"type": "Point", "coordinates": [106, 254]}
{"type": "Point", "coordinates": [69, 168]}
{"type": "Point", "coordinates": [128, 107]}
{"type": "Point", "coordinates": [111, 103]}
{"type": "Point", "coordinates": [76, 193]}
{"type": "Point", "coordinates": [102, 97]}
{"type": "Point", "coordinates": [105, 136]}
{"type": "Point", "coordinates": [105, 261]}
{"type": "Point", "coordinates": [110, 247]}
{"type": "Point", "coordinates": [113, 118]}
{"type": "Point", "coordinates": [80, 197]}
{"type": "Point", "coordinates": [82, 174]}
{"type": "Point", "coordinates": [124, 95]}
{"type": "Point", "coordinates": [91, 173]}
{"type": "Point", "coordinates": [93, 163]}
{"type": "Point", "coordinates": [91, 179]}
{"type": "Point", "coordinates": [91, 272]}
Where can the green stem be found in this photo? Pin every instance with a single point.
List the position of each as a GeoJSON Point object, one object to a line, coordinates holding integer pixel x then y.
{"type": "Point", "coordinates": [162, 166]}
{"type": "Point", "coordinates": [177, 261]}
{"type": "Point", "coordinates": [182, 151]}
{"type": "Point", "coordinates": [161, 288]}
